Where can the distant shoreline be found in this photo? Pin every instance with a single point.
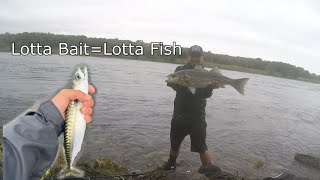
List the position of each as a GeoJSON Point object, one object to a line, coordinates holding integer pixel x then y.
{"type": "Point", "coordinates": [47, 43]}
{"type": "Point", "coordinates": [206, 64]}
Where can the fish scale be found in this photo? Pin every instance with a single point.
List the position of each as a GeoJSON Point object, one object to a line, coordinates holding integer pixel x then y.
{"type": "Point", "coordinates": [70, 116]}
{"type": "Point", "coordinates": [201, 78]}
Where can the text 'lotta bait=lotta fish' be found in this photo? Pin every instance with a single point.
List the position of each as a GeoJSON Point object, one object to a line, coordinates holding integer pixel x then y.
{"type": "Point", "coordinates": [201, 78]}
{"type": "Point", "coordinates": [75, 125]}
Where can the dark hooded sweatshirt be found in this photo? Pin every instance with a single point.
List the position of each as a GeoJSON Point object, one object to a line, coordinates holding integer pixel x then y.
{"type": "Point", "coordinates": [187, 103]}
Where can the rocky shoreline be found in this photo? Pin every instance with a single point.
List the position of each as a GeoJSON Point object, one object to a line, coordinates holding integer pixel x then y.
{"type": "Point", "coordinates": [1, 160]}
{"type": "Point", "coordinates": [104, 168]}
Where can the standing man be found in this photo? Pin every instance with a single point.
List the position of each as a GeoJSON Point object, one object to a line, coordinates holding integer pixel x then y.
{"type": "Point", "coordinates": [189, 116]}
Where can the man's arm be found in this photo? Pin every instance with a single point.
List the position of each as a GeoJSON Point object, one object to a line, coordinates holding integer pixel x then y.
{"type": "Point", "coordinates": [31, 142]}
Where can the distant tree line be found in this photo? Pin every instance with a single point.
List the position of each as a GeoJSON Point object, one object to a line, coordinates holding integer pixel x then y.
{"type": "Point", "coordinates": [273, 68]}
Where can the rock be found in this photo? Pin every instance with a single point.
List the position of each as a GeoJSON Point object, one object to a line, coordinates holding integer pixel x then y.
{"type": "Point", "coordinates": [192, 175]}
{"type": "Point", "coordinates": [282, 176]}
{"type": "Point", "coordinates": [1, 161]}
{"type": "Point", "coordinates": [308, 160]}
{"type": "Point", "coordinates": [106, 167]}
{"type": "Point", "coordinates": [209, 169]}
{"type": "Point", "coordinates": [186, 175]}
{"type": "Point", "coordinates": [155, 174]}
{"type": "Point", "coordinates": [224, 176]}
{"type": "Point", "coordinates": [102, 167]}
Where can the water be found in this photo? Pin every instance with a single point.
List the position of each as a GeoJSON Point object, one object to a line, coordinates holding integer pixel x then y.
{"type": "Point", "coordinates": [131, 123]}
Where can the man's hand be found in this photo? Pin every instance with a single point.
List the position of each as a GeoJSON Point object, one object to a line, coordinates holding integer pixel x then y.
{"type": "Point", "coordinates": [63, 98]}
{"type": "Point", "coordinates": [214, 85]}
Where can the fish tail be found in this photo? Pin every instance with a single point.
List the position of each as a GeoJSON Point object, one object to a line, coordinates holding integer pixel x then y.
{"type": "Point", "coordinates": [239, 84]}
{"type": "Point", "coordinates": [71, 172]}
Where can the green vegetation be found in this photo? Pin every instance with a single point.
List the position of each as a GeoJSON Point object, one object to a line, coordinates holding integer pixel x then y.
{"type": "Point", "coordinates": [101, 167]}
{"type": "Point", "coordinates": [251, 65]}
{"type": "Point", "coordinates": [257, 164]}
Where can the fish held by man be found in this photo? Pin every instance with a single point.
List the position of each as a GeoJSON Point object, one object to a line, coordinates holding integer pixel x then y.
{"type": "Point", "coordinates": [75, 125]}
{"type": "Point", "coordinates": [201, 78]}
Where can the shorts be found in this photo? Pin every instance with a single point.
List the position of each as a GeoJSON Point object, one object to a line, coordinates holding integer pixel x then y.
{"type": "Point", "coordinates": [195, 126]}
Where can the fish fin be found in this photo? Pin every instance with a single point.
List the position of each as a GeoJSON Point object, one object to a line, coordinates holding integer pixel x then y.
{"type": "Point", "coordinates": [199, 67]}
{"type": "Point", "coordinates": [72, 172]}
{"type": "Point", "coordinates": [216, 70]}
{"type": "Point", "coordinates": [192, 89]}
{"type": "Point", "coordinates": [239, 84]}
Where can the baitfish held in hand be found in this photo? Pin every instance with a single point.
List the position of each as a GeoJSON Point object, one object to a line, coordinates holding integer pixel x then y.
{"type": "Point", "coordinates": [75, 125]}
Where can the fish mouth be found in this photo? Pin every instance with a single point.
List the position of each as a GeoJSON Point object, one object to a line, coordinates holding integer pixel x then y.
{"type": "Point", "coordinates": [81, 73]}
{"type": "Point", "coordinates": [169, 79]}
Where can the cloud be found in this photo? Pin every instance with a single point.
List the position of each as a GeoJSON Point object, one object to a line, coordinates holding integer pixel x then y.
{"type": "Point", "coordinates": [273, 30]}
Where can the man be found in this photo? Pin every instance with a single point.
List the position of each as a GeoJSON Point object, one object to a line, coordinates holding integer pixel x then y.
{"type": "Point", "coordinates": [31, 142]}
{"type": "Point", "coordinates": [189, 115]}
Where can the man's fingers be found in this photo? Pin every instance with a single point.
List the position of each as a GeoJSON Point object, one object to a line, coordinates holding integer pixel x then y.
{"type": "Point", "coordinates": [89, 103]}
{"type": "Point", "coordinates": [86, 111]}
{"type": "Point", "coordinates": [91, 89]}
{"type": "Point", "coordinates": [63, 98]}
{"type": "Point", "coordinates": [215, 84]}
{"type": "Point", "coordinates": [87, 118]}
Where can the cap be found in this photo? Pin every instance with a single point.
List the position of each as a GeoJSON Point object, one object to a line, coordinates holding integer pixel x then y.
{"type": "Point", "coordinates": [195, 51]}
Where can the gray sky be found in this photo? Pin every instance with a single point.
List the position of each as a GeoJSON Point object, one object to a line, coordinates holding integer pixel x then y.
{"type": "Point", "coordinates": [287, 30]}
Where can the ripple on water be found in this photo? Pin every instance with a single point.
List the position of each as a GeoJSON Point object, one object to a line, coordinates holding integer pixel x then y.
{"type": "Point", "coordinates": [131, 123]}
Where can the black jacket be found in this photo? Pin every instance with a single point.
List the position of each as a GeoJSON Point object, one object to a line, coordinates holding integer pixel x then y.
{"type": "Point", "coordinates": [187, 103]}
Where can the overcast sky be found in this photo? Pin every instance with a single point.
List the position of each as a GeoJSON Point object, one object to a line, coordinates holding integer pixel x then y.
{"type": "Point", "coordinates": [286, 30]}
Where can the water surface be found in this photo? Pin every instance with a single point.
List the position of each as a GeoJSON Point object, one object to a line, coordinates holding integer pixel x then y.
{"type": "Point", "coordinates": [131, 123]}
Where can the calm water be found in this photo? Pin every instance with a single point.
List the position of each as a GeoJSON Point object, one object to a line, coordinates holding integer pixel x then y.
{"type": "Point", "coordinates": [131, 123]}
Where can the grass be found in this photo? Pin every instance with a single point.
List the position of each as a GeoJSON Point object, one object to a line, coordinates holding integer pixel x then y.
{"type": "Point", "coordinates": [100, 167]}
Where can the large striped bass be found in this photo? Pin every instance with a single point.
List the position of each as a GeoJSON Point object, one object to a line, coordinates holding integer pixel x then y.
{"type": "Point", "coordinates": [75, 125]}
{"type": "Point", "coordinates": [200, 78]}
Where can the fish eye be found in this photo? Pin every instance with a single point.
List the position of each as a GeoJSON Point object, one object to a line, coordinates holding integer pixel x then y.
{"type": "Point", "coordinates": [77, 76]}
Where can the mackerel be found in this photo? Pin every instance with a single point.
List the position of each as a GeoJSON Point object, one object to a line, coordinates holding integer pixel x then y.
{"type": "Point", "coordinates": [75, 125]}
